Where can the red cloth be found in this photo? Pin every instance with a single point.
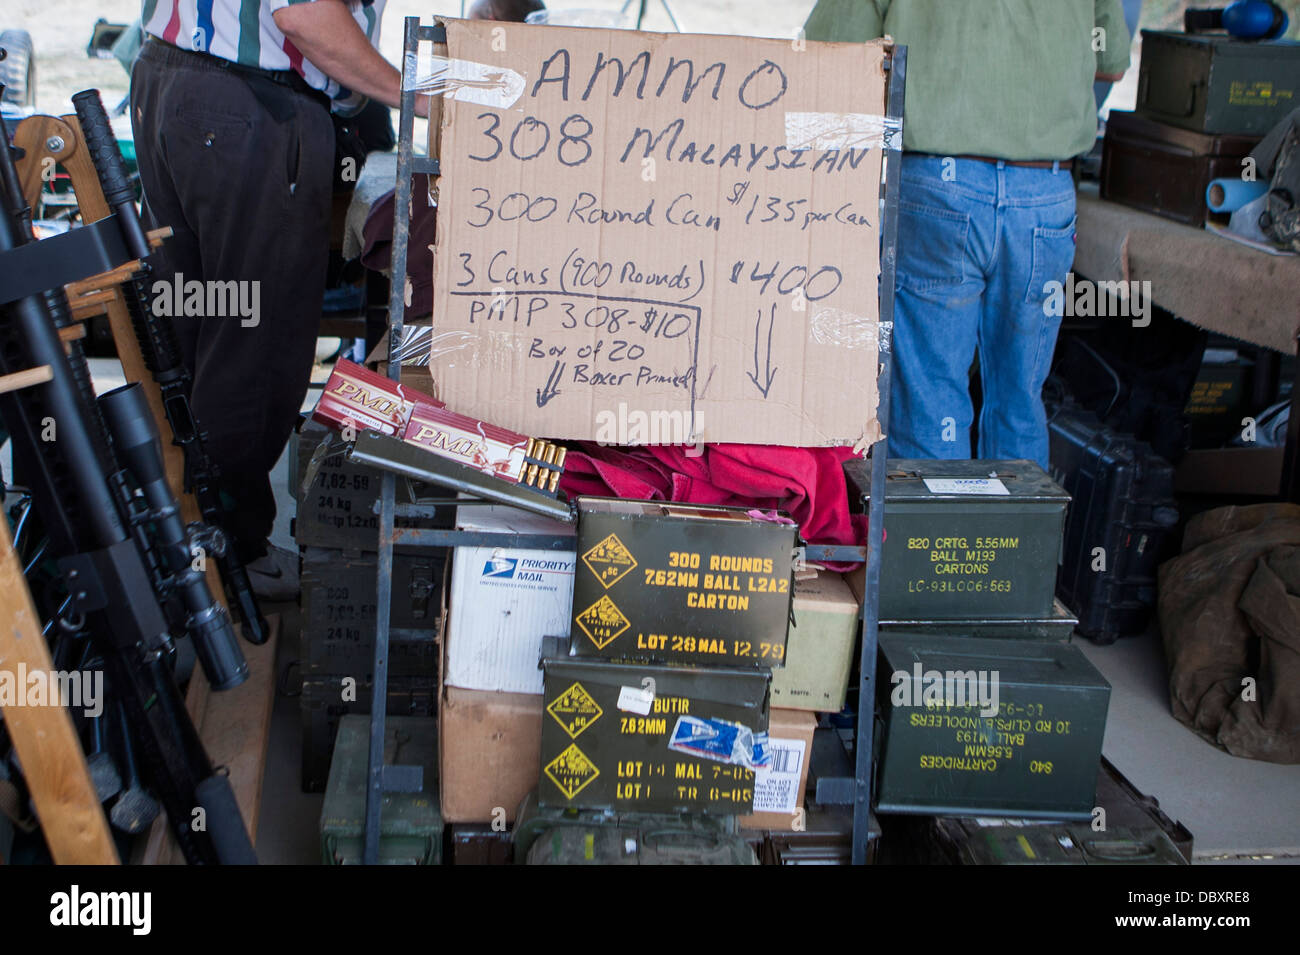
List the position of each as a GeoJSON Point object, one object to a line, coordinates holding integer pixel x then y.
{"type": "Point", "coordinates": [377, 244]}
{"type": "Point", "coordinates": [806, 483]}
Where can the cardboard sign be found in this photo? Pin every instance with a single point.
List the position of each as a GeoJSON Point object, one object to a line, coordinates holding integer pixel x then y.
{"type": "Point", "coordinates": [661, 238]}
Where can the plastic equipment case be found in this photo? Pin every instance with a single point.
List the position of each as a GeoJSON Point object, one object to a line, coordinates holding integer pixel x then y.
{"type": "Point", "coordinates": [1123, 510]}
{"type": "Point", "coordinates": [966, 540]}
{"type": "Point", "coordinates": [411, 826]}
{"type": "Point", "coordinates": [1128, 807]}
{"type": "Point", "coordinates": [1163, 169]}
{"type": "Point", "coordinates": [1217, 84]}
{"type": "Point", "coordinates": [1031, 750]}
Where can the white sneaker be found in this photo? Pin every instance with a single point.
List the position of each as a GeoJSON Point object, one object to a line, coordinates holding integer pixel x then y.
{"type": "Point", "coordinates": [274, 575]}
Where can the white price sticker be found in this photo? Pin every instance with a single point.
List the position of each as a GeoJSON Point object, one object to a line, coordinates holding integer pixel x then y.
{"type": "Point", "coordinates": [634, 699]}
{"type": "Point", "coordinates": [966, 486]}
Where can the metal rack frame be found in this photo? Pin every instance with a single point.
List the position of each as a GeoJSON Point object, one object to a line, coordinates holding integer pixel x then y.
{"type": "Point", "coordinates": [381, 778]}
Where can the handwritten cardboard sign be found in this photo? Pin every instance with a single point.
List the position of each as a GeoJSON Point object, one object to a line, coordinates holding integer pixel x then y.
{"type": "Point", "coordinates": [664, 233]}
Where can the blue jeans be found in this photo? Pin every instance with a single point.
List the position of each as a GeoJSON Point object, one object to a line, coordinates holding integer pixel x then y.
{"type": "Point", "coordinates": [977, 245]}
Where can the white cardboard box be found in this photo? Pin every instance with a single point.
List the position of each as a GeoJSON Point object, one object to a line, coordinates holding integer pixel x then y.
{"type": "Point", "coordinates": [503, 601]}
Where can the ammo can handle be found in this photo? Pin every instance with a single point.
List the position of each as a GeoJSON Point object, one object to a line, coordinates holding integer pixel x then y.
{"type": "Point", "coordinates": [1115, 850]}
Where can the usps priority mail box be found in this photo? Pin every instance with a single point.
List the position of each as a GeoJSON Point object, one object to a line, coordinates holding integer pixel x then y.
{"type": "Point", "coordinates": [503, 601]}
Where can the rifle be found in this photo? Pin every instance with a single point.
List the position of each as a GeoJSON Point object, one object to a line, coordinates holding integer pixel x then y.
{"type": "Point", "coordinates": [162, 356]}
{"type": "Point", "coordinates": [123, 554]}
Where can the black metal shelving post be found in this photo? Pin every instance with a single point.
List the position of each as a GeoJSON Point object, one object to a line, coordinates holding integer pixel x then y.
{"type": "Point", "coordinates": [406, 168]}
{"type": "Point", "coordinates": [381, 778]}
{"type": "Point", "coordinates": [863, 749]}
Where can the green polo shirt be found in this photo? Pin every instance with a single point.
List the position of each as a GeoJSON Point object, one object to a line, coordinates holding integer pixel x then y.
{"type": "Point", "coordinates": [1005, 78]}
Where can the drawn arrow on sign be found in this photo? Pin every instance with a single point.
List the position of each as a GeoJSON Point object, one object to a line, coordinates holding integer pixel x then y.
{"type": "Point", "coordinates": [762, 379]}
{"type": "Point", "coordinates": [552, 385]}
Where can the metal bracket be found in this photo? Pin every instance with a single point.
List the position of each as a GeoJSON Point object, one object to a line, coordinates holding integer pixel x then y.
{"type": "Point", "coordinates": [87, 591]}
{"type": "Point", "coordinates": [420, 588]}
{"type": "Point", "coordinates": [831, 554]}
{"type": "Point", "coordinates": [35, 267]}
{"type": "Point", "coordinates": [107, 578]}
{"type": "Point", "coordinates": [386, 453]}
{"type": "Point", "coordinates": [327, 448]}
{"type": "Point", "coordinates": [862, 774]}
{"type": "Point", "coordinates": [430, 537]}
{"type": "Point", "coordinates": [830, 771]}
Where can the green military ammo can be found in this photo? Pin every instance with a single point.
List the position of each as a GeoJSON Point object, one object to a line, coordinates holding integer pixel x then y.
{"type": "Point", "coordinates": [1217, 84]}
{"type": "Point", "coordinates": [966, 540]}
{"type": "Point", "coordinates": [988, 728]}
{"type": "Point", "coordinates": [411, 823]}
{"type": "Point", "coordinates": [614, 740]}
{"type": "Point", "coordinates": [1059, 844]}
{"type": "Point", "coordinates": [550, 836]}
{"type": "Point", "coordinates": [1059, 626]}
{"type": "Point", "coordinates": [681, 583]}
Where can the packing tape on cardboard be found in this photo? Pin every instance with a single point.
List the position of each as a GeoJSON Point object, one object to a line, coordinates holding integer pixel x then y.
{"type": "Point", "coordinates": [842, 131]}
{"type": "Point", "coordinates": [837, 327]}
{"type": "Point", "coordinates": [415, 345]}
{"type": "Point", "coordinates": [466, 81]}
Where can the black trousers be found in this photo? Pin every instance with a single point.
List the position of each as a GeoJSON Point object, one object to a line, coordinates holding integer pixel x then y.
{"type": "Point", "coordinates": [240, 167]}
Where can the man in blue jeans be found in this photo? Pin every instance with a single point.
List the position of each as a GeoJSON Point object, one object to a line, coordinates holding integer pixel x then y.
{"type": "Point", "coordinates": [999, 101]}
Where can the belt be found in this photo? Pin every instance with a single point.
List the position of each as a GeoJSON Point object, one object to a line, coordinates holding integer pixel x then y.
{"type": "Point", "coordinates": [172, 55]}
{"type": "Point", "coordinates": [1025, 163]}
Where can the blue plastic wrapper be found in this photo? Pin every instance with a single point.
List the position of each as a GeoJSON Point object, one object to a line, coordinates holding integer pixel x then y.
{"type": "Point", "coordinates": [721, 741]}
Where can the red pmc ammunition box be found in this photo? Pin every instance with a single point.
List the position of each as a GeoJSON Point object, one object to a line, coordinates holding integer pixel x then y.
{"type": "Point", "coordinates": [482, 446]}
{"type": "Point", "coordinates": [358, 397]}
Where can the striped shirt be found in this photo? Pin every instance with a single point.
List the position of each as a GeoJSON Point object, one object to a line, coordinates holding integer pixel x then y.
{"type": "Point", "coordinates": [244, 31]}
